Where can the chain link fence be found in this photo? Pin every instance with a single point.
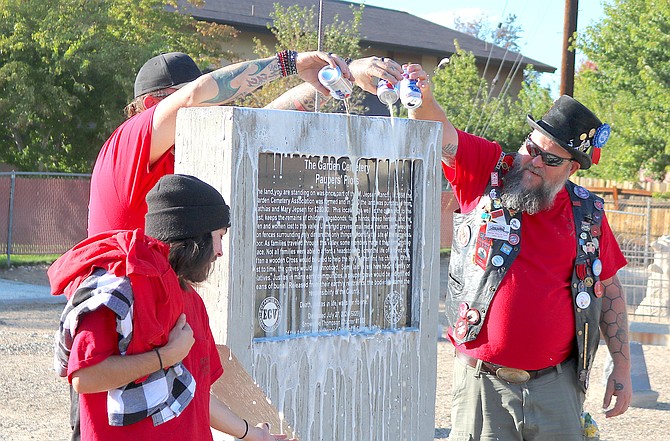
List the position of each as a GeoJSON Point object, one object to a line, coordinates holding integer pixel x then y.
{"type": "Point", "coordinates": [42, 213]}
{"type": "Point", "coordinates": [642, 228]}
{"type": "Point", "coordinates": [46, 213]}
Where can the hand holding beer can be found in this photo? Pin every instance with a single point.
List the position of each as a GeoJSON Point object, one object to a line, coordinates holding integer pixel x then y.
{"type": "Point", "coordinates": [410, 94]}
{"type": "Point", "coordinates": [386, 92]}
{"type": "Point", "coordinates": [332, 79]}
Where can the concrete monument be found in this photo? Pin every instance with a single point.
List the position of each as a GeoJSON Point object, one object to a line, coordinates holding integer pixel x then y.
{"type": "Point", "coordinates": [328, 289]}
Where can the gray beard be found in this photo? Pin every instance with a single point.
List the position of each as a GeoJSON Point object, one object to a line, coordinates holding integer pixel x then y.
{"type": "Point", "coordinates": [517, 197]}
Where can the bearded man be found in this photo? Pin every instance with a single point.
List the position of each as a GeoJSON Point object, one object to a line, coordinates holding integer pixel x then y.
{"type": "Point", "coordinates": [532, 278]}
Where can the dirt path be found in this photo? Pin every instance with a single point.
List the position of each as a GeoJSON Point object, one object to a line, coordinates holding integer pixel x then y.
{"type": "Point", "coordinates": [34, 402]}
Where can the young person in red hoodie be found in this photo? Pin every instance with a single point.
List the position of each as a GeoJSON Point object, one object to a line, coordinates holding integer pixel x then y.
{"type": "Point", "coordinates": [134, 338]}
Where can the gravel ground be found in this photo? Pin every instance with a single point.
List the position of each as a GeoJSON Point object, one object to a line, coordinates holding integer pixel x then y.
{"type": "Point", "coordinates": [34, 402]}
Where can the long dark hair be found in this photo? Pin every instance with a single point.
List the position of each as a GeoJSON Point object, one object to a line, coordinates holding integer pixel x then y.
{"type": "Point", "coordinates": [192, 259]}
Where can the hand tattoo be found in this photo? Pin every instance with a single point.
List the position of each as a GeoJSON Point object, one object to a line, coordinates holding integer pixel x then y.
{"type": "Point", "coordinates": [617, 386]}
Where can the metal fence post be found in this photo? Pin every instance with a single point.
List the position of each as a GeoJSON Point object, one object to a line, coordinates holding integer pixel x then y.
{"type": "Point", "coordinates": [647, 236]}
{"type": "Point", "coordinates": [10, 220]}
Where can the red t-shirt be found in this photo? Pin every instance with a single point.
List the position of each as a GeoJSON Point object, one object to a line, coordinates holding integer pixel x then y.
{"type": "Point", "coordinates": [122, 176]}
{"type": "Point", "coordinates": [96, 339]}
{"type": "Point", "coordinates": [530, 323]}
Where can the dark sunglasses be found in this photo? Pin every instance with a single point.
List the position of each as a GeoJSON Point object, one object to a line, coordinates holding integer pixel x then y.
{"type": "Point", "coordinates": [549, 159]}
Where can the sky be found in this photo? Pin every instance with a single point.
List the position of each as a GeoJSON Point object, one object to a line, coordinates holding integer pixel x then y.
{"type": "Point", "coordinates": [540, 20]}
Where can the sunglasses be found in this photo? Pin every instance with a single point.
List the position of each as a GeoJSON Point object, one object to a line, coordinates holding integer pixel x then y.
{"type": "Point", "coordinates": [549, 159]}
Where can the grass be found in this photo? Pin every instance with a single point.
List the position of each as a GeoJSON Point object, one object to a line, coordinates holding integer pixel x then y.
{"type": "Point", "coordinates": [28, 259]}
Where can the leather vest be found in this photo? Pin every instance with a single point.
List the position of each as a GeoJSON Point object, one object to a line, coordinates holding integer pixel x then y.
{"type": "Point", "coordinates": [486, 242]}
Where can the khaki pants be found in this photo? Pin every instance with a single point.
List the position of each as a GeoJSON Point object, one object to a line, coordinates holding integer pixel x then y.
{"type": "Point", "coordinates": [543, 409]}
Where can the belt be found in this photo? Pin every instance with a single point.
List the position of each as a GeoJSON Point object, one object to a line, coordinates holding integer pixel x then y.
{"type": "Point", "coordinates": [510, 375]}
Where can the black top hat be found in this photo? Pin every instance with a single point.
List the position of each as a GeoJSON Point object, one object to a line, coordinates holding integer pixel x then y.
{"type": "Point", "coordinates": [575, 128]}
{"type": "Point", "coordinates": [173, 69]}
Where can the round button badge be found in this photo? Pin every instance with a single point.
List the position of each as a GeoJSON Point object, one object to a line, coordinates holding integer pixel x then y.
{"type": "Point", "coordinates": [598, 289]}
{"type": "Point", "coordinates": [597, 267]}
{"type": "Point", "coordinates": [513, 239]}
{"type": "Point", "coordinates": [581, 192]}
{"type": "Point", "coordinates": [463, 235]}
{"type": "Point", "coordinates": [515, 224]}
{"type": "Point", "coordinates": [473, 316]}
{"type": "Point", "coordinates": [583, 300]}
{"type": "Point", "coordinates": [460, 329]}
{"type": "Point", "coordinates": [497, 260]}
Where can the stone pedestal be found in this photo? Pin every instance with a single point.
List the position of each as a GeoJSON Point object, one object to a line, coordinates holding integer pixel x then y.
{"type": "Point", "coordinates": [656, 302]}
{"type": "Point", "coordinates": [329, 284]}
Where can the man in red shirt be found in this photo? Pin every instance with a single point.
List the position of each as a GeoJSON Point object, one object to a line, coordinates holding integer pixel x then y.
{"type": "Point", "coordinates": [140, 150]}
{"type": "Point", "coordinates": [532, 277]}
{"type": "Point", "coordinates": [134, 338]}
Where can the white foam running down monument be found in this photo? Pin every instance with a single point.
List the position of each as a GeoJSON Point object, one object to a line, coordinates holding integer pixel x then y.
{"type": "Point", "coordinates": [328, 288]}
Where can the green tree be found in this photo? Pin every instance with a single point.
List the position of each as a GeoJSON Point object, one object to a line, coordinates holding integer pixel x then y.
{"type": "Point", "coordinates": [626, 82]}
{"type": "Point", "coordinates": [67, 69]}
{"type": "Point", "coordinates": [463, 93]}
{"type": "Point", "coordinates": [296, 27]}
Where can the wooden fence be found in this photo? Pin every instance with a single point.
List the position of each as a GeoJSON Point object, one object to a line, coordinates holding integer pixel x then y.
{"type": "Point", "coordinates": [631, 211]}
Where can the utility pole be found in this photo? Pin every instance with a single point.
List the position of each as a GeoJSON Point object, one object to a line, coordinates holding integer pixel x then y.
{"type": "Point", "coordinates": [568, 61]}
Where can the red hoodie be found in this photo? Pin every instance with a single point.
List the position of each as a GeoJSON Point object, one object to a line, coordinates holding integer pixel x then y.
{"type": "Point", "coordinates": [157, 294]}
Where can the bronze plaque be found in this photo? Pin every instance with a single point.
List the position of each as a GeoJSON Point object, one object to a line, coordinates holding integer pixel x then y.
{"type": "Point", "coordinates": [333, 244]}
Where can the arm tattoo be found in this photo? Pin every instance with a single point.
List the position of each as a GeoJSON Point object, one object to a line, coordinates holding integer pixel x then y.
{"type": "Point", "coordinates": [449, 153]}
{"type": "Point", "coordinates": [250, 76]}
{"type": "Point", "coordinates": [300, 98]}
{"type": "Point", "coordinates": [614, 320]}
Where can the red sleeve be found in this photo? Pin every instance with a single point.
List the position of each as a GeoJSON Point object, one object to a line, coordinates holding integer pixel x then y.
{"type": "Point", "coordinates": [95, 340]}
{"type": "Point", "coordinates": [610, 254]}
{"type": "Point", "coordinates": [475, 159]}
{"type": "Point", "coordinates": [122, 176]}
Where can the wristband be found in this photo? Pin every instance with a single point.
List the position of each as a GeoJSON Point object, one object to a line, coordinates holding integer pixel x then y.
{"type": "Point", "coordinates": [160, 360]}
{"type": "Point", "coordinates": [246, 428]}
{"type": "Point", "coordinates": [286, 60]}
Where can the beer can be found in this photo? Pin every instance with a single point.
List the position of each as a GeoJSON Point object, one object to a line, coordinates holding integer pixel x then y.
{"type": "Point", "coordinates": [410, 94]}
{"type": "Point", "coordinates": [386, 92]}
{"type": "Point", "coordinates": [332, 79]}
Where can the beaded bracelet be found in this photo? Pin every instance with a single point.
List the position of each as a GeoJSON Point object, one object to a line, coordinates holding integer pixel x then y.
{"type": "Point", "coordinates": [286, 61]}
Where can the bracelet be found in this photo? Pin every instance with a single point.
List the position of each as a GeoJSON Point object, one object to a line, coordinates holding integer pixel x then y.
{"type": "Point", "coordinates": [246, 429]}
{"type": "Point", "coordinates": [348, 61]}
{"type": "Point", "coordinates": [286, 60]}
{"type": "Point", "coordinates": [160, 360]}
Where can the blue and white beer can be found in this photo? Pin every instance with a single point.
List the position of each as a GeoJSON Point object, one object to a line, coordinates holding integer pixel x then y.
{"type": "Point", "coordinates": [386, 92]}
{"type": "Point", "coordinates": [332, 79]}
{"type": "Point", "coordinates": [410, 94]}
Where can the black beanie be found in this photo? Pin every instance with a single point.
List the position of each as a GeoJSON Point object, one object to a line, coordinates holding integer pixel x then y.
{"type": "Point", "coordinates": [182, 207]}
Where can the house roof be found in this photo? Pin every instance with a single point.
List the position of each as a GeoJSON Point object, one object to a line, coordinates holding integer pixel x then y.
{"type": "Point", "coordinates": [383, 28]}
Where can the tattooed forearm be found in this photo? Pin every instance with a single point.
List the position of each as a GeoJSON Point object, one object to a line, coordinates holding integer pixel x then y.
{"type": "Point", "coordinates": [300, 98]}
{"type": "Point", "coordinates": [614, 320]}
{"type": "Point", "coordinates": [247, 77]}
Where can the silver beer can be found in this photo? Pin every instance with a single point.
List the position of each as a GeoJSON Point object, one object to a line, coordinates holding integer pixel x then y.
{"type": "Point", "coordinates": [332, 79]}
{"type": "Point", "coordinates": [410, 94]}
{"type": "Point", "coordinates": [386, 92]}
